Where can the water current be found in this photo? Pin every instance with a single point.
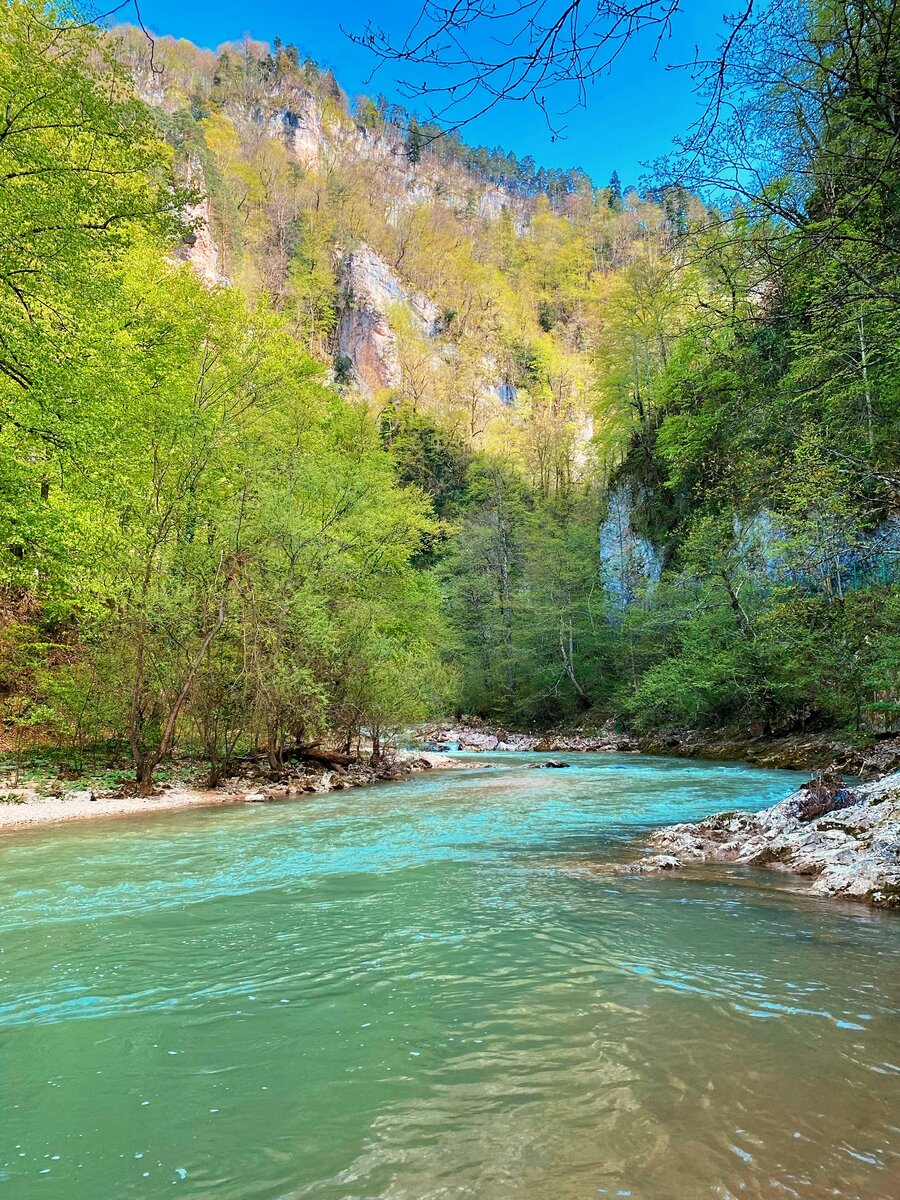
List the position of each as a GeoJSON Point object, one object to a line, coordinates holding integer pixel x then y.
{"type": "Point", "coordinates": [434, 990]}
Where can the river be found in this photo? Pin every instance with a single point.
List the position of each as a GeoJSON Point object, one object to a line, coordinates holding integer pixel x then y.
{"type": "Point", "coordinates": [418, 992]}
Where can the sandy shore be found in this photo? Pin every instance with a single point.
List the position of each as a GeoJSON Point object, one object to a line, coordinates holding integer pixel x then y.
{"type": "Point", "coordinates": [51, 810]}
{"type": "Point", "coordinates": [80, 805]}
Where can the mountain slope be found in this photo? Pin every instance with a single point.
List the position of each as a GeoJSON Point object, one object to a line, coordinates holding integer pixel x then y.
{"type": "Point", "coordinates": [415, 277]}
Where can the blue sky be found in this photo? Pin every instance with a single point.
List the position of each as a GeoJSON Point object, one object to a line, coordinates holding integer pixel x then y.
{"type": "Point", "coordinates": [630, 117]}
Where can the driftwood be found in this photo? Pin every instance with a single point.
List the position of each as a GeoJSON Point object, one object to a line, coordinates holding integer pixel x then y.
{"type": "Point", "coordinates": [824, 794]}
{"type": "Point", "coordinates": [328, 758]}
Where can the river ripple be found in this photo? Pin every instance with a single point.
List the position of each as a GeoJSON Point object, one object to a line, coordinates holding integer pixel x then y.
{"type": "Point", "coordinates": [409, 993]}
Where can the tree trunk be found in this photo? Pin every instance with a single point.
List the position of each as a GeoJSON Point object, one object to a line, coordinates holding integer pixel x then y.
{"type": "Point", "coordinates": [328, 758]}
{"type": "Point", "coordinates": [214, 778]}
{"type": "Point", "coordinates": [146, 763]}
{"type": "Point", "coordinates": [506, 607]}
{"type": "Point", "coordinates": [742, 619]}
{"type": "Point", "coordinates": [144, 773]}
{"type": "Point", "coordinates": [135, 739]}
{"type": "Point", "coordinates": [567, 655]}
{"type": "Point", "coordinates": [273, 750]}
{"type": "Point", "coordinates": [864, 367]}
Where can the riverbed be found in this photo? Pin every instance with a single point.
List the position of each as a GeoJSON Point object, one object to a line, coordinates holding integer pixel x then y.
{"type": "Point", "coordinates": [417, 991]}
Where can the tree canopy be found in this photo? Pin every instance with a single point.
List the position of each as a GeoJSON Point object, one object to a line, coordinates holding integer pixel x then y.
{"type": "Point", "coordinates": [635, 458]}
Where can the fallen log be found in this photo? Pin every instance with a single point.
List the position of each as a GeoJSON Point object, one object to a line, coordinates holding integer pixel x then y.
{"type": "Point", "coordinates": [328, 758]}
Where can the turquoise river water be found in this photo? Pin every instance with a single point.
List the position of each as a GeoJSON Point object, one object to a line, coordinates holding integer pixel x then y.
{"type": "Point", "coordinates": [421, 992]}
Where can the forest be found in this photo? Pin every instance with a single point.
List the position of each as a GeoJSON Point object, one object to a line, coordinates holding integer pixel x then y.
{"type": "Point", "coordinates": [603, 453]}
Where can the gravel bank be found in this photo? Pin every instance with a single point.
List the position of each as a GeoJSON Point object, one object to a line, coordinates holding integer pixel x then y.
{"type": "Point", "coordinates": [78, 804]}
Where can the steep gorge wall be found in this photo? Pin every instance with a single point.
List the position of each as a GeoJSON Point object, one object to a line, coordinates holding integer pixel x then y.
{"type": "Point", "coordinates": [200, 248]}
{"type": "Point", "coordinates": [278, 152]}
{"type": "Point", "coordinates": [370, 289]}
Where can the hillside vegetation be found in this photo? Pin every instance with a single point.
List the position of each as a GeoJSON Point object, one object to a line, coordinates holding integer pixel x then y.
{"type": "Point", "coordinates": [315, 422]}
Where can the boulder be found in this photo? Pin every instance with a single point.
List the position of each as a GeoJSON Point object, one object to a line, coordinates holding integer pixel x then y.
{"type": "Point", "coordinates": [652, 865]}
{"type": "Point", "coordinates": [78, 796]}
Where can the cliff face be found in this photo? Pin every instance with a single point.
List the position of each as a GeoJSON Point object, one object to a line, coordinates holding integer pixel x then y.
{"type": "Point", "coordinates": [371, 293]}
{"type": "Point", "coordinates": [370, 289]}
{"type": "Point", "coordinates": [199, 248]}
{"type": "Point", "coordinates": [299, 124]}
{"type": "Point", "coordinates": [375, 259]}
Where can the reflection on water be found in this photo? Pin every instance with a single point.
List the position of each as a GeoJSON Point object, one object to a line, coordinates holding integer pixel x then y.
{"type": "Point", "coordinates": [408, 993]}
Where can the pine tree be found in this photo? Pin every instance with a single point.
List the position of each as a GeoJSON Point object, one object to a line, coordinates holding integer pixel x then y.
{"type": "Point", "coordinates": [615, 191]}
{"type": "Point", "coordinates": [413, 142]}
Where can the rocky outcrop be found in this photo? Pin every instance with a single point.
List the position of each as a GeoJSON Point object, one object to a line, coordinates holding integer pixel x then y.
{"type": "Point", "coordinates": [299, 123]}
{"type": "Point", "coordinates": [199, 247]}
{"type": "Point", "coordinates": [852, 850]}
{"type": "Point", "coordinates": [493, 201]}
{"type": "Point", "coordinates": [370, 289]}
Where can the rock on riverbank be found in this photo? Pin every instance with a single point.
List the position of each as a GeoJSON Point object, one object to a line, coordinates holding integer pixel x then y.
{"type": "Point", "coordinates": [490, 738]}
{"type": "Point", "coordinates": [793, 751]}
{"type": "Point", "coordinates": [852, 852]}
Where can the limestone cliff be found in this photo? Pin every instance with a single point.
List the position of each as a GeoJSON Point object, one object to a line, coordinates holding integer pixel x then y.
{"type": "Point", "coordinates": [370, 289]}
{"type": "Point", "coordinates": [282, 153]}
{"type": "Point", "coordinates": [199, 248]}
{"type": "Point", "coordinates": [299, 123]}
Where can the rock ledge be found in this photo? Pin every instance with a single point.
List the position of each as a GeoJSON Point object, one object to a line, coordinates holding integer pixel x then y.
{"type": "Point", "coordinates": [853, 852]}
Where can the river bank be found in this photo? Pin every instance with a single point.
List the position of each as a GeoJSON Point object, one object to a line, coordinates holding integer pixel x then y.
{"type": "Point", "coordinates": [851, 848]}
{"type": "Point", "coordinates": [28, 805]}
{"type": "Point", "coordinates": [847, 840]}
{"type": "Point", "coordinates": [804, 752]}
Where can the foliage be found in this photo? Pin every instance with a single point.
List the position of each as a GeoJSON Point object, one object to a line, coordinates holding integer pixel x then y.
{"type": "Point", "coordinates": [639, 462]}
{"type": "Point", "coordinates": [190, 521]}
